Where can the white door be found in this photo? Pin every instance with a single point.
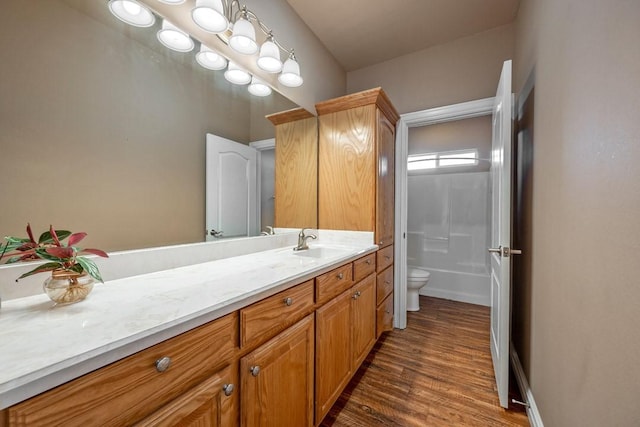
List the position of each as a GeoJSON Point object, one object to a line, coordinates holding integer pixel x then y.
{"type": "Point", "coordinates": [501, 233]}
{"type": "Point", "coordinates": [232, 203]}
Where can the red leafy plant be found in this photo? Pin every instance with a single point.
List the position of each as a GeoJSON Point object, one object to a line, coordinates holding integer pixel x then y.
{"type": "Point", "coordinates": [49, 247]}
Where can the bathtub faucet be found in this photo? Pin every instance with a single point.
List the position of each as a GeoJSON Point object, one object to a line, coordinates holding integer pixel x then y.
{"type": "Point", "coordinates": [302, 240]}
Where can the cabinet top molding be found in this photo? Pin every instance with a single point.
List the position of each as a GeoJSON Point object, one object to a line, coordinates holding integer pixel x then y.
{"type": "Point", "coordinates": [289, 116]}
{"type": "Point", "coordinates": [375, 96]}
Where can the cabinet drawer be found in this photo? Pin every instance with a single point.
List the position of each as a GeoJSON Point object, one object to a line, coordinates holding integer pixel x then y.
{"type": "Point", "coordinates": [264, 319]}
{"type": "Point", "coordinates": [334, 283]}
{"type": "Point", "coordinates": [364, 266]}
{"type": "Point", "coordinates": [384, 257]}
{"type": "Point", "coordinates": [384, 285]}
{"type": "Point", "coordinates": [384, 321]}
{"type": "Point", "coordinates": [128, 390]}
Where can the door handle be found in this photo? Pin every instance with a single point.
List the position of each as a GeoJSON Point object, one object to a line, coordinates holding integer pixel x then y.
{"type": "Point", "coordinates": [505, 251]}
{"type": "Point", "coordinates": [215, 233]}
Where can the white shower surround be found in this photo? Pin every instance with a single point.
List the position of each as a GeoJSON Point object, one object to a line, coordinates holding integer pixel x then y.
{"type": "Point", "coordinates": [448, 233]}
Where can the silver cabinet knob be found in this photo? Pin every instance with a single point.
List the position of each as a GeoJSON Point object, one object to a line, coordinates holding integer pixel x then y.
{"type": "Point", "coordinates": [163, 364]}
{"type": "Point", "coordinates": [288, 301]}
{"type": "Point", "coordinates": [340, 276]}
{"type": "Point", "coordinates": [368, 262]}
{"type": "Point", "coordinates": [255, 370]}
{"type": "Point", "coordinates": [356, 295]}
{"type": "Point", "coordinates": [228, 389]}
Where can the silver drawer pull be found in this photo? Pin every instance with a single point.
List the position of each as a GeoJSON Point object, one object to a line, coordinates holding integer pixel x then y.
{"type": "Point", "coordinates": [340, 276]}
{"type": "Point", "coordinates": [368, 262]}
{"type": "Point", "coordinates": [255, 370]}
{"type": "Point", "coordinates": [356, 295]}
{"type": "Point", "coordinates": [228, 389]}
{"type": "Point", "coordinates": [163, 364]}
{"type": "Point", "coordinates": [288, 301]}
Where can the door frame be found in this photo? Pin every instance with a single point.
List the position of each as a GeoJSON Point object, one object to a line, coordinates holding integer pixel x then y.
{"type": "Point", "coordinates": [262, 145]}
{"type": "Point", "coordinates": [432, 116]}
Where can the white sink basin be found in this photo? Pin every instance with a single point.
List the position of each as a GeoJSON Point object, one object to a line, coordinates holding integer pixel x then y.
{"type": "Point", "coordinates": [320, 252]}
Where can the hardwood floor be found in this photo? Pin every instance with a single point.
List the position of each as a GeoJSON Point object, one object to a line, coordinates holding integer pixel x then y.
{"type": "Point", "coordinates": [437, 372]}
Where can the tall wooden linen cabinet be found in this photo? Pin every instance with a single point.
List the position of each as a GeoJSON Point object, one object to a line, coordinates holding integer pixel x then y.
{"type": "Point", "coordinates": [356, 185]}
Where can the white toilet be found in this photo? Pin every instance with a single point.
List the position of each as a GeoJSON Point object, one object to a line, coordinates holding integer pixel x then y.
{"type": "Point", "coordinates": [417, 278]}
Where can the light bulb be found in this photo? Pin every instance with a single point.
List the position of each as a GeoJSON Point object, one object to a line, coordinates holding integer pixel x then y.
{"type": "Point", "coordinates": [243, 38]}
{"type": "Point", "coordinates": [174, 38]}
{"type": "Point", "coordinates": [236, 75]}
{"type": "Point", "coordinates": [209, 15]}
{"type": "Point", "coordinates": [290, 75]}
{"type": "Point", "coordinates": [258, 87]}
{"type": "Point", "coordinates": [210, 59]}
{"type": "Point", "coordinates": [269, 59]}
{"type": "Point", "coordinates": [132, 8]}
{"type": "Point", "coordinates": [132, 13]}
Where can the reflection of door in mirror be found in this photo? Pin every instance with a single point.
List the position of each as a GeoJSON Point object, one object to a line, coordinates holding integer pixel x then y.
{"type": "Point", "coordinates": [231, 190]}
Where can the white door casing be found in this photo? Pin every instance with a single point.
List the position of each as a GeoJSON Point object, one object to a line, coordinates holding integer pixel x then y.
{"type": "Point", "coordinates": [464, 110]}
{"type": "Point", "coordinates": [231, 189]}
{"type": "Point", "coordinates": [501, 233]}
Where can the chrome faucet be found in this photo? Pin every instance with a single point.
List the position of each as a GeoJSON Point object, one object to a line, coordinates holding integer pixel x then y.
{"type": "Point", "coordinates": [302, 240]}
{"type": "Point", "coordinates": [269, 232]}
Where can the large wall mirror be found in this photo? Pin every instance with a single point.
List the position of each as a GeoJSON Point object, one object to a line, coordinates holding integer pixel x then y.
{"type": "Point", "coordinates": [103, 129]}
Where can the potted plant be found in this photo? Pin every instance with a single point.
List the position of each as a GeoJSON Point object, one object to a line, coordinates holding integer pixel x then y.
{"type": "Point", "coordinates": [72, 275]}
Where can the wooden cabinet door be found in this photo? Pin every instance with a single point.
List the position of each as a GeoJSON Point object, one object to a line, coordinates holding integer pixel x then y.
{"type": "Point", "coordinates": [385, 201]}
{"type": "Point", "coordinates": [363, 319]}
{"type": "Point", "coordinates": [346, 162]}
{"type": "Point", "coordinates": [333, 351]}
{"type": "Point", "coordinates": [277, 379]}
{"type": "Point", "coordinates": [384, 321]}
{"type": "Point", "coordinates": [296, 175]}
{"type": "Point", "coordinates": [213, 403]}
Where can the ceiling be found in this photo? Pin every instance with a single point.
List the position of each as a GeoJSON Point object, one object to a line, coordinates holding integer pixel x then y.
{"type": "Point", "coordinates": [360, 33]}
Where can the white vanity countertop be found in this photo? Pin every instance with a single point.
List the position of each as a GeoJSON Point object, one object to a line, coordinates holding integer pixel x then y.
{"type": "Point", "coordinates": [42, 346]}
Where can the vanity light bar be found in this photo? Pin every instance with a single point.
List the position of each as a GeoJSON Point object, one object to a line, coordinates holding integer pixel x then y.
{"type": "Point", "coordinates": [218, 16]}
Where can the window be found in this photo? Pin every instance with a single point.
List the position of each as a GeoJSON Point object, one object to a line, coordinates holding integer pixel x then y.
{"type": "Point", "coordinates": [422, 161]}
{"type": "Point", "coordinates": [443, 159]}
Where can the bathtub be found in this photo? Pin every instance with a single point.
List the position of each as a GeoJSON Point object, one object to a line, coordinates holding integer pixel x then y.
{"type": "Point", "coordinates": [472, 286]}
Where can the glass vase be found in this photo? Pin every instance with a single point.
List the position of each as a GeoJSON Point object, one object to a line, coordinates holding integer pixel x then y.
{"type": "Point", "coordinates": [67, 287]}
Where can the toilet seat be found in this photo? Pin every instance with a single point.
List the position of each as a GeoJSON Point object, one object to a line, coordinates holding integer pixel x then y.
{"type": "Point", "coordinates": [417, 273]}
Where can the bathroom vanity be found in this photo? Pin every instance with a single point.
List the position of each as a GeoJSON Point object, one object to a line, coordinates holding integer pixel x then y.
{"type": "Point", "coordinates": [274, 335]}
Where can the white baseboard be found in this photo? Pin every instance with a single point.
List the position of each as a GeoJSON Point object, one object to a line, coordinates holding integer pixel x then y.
{"type": "Point", "coordinates": [532, 410]}
{"type": "Point", "coordinates": [456, 296]}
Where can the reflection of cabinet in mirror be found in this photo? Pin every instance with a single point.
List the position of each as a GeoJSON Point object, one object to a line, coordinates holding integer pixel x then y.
{"type": "Point", "coordinates": [296, 175]}
{"type": "Point", "coordinates": [356, 164]}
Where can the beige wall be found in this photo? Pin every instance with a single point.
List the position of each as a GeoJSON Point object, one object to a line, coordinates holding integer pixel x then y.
{"type": "Point", "coordinates": [462, 70]}
{"type": "Point", "coordinates": [583, 364]}
{"type": "Point", "coordinates": [102, 129]}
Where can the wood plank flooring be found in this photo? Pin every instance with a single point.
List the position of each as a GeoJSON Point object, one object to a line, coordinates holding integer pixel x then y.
{"type": "Point", "coordinates": [437, 372]}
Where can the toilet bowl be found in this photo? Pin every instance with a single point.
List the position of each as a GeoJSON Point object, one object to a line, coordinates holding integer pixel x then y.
{"type": "Point", "coordinates": [417, 278]}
